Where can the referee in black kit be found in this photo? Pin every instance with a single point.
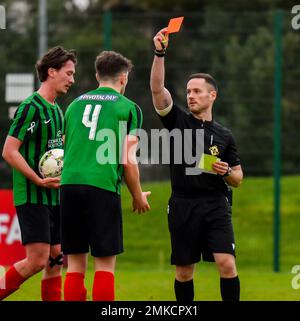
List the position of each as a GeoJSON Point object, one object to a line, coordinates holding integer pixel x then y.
{"type": "Point", "coordinates": [199, 212]}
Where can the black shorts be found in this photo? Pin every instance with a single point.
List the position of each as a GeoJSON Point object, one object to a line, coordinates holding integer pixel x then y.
{"type": "Point", "coordinates": [91, 218]}
{"type": "Point", "coordinates": [199, 226]}
{"type": "Point", "coordinates": [39, 223]}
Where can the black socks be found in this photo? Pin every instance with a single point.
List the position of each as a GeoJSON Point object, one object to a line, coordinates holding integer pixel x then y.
{"type": "Point", "coordinates": [230, 289]}
{"type": "Point", "coordinates": [184, 291]}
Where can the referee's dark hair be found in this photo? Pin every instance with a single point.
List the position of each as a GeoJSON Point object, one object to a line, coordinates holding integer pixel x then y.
{"type": "Point", "coordinates": [55, 58]}
{"type": "Point", "coordinates": [109, 64]}
{"type": "Point", "coordinates": [208, 78]}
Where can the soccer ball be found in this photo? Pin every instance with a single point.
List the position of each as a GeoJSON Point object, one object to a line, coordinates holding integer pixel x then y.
{"type": "Point", "coordinates": [51, 163]}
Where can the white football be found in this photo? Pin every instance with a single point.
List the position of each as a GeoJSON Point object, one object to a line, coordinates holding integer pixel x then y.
{"type": "Point", "coordinates": [51, 163]}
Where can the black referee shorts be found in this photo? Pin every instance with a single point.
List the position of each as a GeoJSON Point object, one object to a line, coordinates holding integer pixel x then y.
{"type": "Point", "coordinates": [199, 227]}
{"type": "Point", "coordinates": [39, 223]}
{"type": "Point", "coordinates": [91, 218]}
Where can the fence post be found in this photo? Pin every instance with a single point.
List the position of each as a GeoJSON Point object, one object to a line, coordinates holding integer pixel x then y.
{"type": "Point", "coordinates": [277, 134]}
{"type": "Point", "coordinates": [107, 30]}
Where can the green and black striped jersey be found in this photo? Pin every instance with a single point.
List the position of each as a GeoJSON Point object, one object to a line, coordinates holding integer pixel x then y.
{"type": "Point", "coordinates": [40, 126]}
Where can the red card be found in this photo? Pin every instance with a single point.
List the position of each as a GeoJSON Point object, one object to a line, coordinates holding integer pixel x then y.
{"type": "Point", "coordinates": [175, 24]}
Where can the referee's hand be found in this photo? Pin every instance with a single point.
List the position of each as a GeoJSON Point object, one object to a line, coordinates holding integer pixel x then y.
{"type": "Point", "coordinates": [141, 204]}
{"type": "Point", "coordinates": [161, 39]}
{"type": "Point", "coordinates": [220, 168]}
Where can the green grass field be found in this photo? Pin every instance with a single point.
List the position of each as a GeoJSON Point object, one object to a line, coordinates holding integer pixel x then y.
{"type": "Point", "coordinates": [143, 271]}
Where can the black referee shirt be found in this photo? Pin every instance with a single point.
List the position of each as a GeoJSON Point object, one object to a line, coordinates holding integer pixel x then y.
{"type": "Point", "coordinates": [218, 141]}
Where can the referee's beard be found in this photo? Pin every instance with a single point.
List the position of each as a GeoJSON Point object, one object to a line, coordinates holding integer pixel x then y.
{"type": "Point", "coordinates": [197, 110]}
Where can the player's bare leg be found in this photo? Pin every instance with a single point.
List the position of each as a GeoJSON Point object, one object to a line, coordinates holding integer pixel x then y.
{"type": "Point", "coordinates": [77, 263]}
{"type": "Point", "coordinates": [37, 255]}
{"type": "Point", "coordinates": [54, 264]}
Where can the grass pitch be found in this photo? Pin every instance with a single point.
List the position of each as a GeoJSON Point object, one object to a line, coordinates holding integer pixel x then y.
{"type": "Point", "coordinates": [143, 271]}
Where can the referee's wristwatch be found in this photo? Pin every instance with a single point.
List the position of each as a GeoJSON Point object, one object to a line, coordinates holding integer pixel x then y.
{"type": "Point", "coordinates": [228, 173]}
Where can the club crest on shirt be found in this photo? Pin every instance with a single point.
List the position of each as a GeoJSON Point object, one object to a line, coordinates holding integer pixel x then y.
{"type": "Point", "coordinates": [214, 150]}
{"type": "Point", "coordinates": [57, 142]}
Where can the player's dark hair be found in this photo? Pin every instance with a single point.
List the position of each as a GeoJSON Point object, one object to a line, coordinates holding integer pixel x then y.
{"type": "Point", "coordinates": [55, 58]}
{"type": "Point", "coordinates": [208, 78]}
{"type": "Point", "coordinates": [109, 64]}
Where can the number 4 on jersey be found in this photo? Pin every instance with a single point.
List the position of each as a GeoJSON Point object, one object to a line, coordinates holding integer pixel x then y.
{"type": "Point", "coordinates": [92, 124]}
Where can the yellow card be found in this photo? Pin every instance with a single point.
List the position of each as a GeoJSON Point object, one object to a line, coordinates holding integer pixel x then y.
{"type": "Point", "coordinates": [206, 162]}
